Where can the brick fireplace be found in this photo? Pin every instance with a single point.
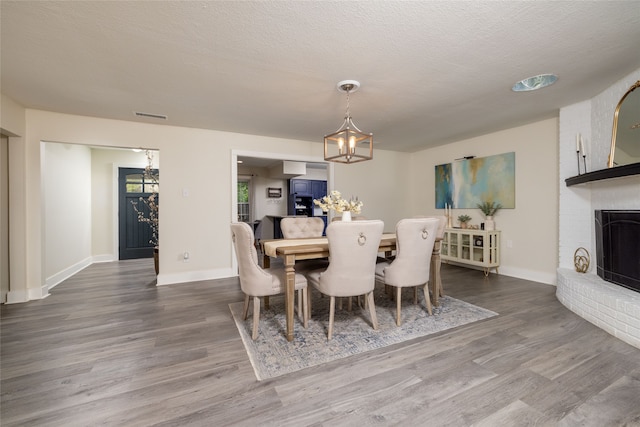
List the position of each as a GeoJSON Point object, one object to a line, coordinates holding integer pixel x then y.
{"type": "Point", "coordinates": [611, 307]}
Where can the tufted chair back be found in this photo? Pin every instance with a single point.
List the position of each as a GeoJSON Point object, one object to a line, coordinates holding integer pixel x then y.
{"type": "Point", "coordinates": [414, 245]}
{"type": "Point", "coordinates": [441, 226]}
{"type": "Point", "coordinates": [353, 248]}
{"type": "Point", "coordinates": [300, 227]}
{"type": "Point", "coordinates": [254, 280]}
{"type": "Point", "coordinates": [257, 282]}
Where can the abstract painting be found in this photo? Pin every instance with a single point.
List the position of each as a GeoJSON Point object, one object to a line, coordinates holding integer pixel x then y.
{"type": "Point", "coordinates": [465, 183]}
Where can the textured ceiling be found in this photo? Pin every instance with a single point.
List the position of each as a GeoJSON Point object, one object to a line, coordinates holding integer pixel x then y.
{"type": "Point", "coordinates": [432, 72]}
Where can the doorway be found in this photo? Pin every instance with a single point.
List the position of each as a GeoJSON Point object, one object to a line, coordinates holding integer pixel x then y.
{"type": "Point", "coordinates": [136, 238]}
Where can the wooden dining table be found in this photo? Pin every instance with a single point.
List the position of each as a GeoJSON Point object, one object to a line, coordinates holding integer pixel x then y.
{"type": "Point", "coordinates": [292, 250]}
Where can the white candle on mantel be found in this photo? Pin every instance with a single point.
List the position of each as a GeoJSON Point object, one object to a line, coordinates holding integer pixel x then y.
{"type": "Point", "coordinates": [578, 142]}
{"type": "Point", "coordinates": [582, 147]}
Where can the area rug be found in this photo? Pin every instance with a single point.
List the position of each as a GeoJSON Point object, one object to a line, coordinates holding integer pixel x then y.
{"type": "Point", "coordinates": [272, 355]}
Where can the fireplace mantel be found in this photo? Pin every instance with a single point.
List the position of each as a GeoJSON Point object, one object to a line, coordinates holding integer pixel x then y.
{"type": "Point", "coordinates": [617, 172]}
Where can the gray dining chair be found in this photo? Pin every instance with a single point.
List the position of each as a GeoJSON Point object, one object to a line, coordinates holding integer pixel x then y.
{"type": "Point", "coordinates": [415, 238]}
{"type": "Point", "coordinates": [257, 282]}
{"type": "Point", "coordinates": [353, 248]}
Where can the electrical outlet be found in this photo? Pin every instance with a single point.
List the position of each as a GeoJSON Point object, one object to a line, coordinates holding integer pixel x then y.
{"type": "Point", "coordinates": [185, 257]}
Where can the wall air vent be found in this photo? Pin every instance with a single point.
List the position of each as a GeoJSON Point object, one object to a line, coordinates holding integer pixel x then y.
{"type": "Point", "coordinates": [150, 115]}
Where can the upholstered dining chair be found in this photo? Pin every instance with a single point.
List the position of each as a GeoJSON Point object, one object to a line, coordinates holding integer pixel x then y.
{"type": "Point", "coordinates": [300, 227]}
{"type": "Point", "coordinates": [415, 238]}
{"type": "Point", "coordinates": [436, 254]}
{"type": "Point", "coordinates": [257, 282]}
{"type": "Point", "coordinates": [353, 248]}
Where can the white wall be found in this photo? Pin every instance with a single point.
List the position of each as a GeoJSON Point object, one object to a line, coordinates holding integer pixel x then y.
{"type": "Point", "coordinates": [196, 187]}
{"type": "Point", "coordinates": [530, 231]}
{"type": "Point", "coordinates": [25, 281]}
{"type": "Point", "coordinates": [198, 200]}
{"type": "Point", "coordinates": [67, 202]}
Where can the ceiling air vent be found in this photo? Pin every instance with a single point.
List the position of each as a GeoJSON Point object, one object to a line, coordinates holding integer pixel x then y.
{"type": "Point", "coordinates": [150, 115]}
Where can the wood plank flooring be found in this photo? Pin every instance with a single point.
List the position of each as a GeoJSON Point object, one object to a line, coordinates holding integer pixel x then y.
{"type": "Point", "coordinates": [108, 347]}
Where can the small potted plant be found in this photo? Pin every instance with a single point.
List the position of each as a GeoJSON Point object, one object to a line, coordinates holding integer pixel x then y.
{"type": "Point", "coordinates": [464, 219]}
{"type": "Point", "coordinates": [489, 209]}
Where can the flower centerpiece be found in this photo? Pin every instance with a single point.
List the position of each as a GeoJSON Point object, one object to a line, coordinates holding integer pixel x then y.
{"type": "Point", "coordinates": [334, 201]}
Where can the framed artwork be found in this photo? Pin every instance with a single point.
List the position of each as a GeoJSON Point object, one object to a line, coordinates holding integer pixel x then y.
{"type": "Point", "coordinates": [465, 183]}
{"type": "Point", "coordinates": [273, 192]}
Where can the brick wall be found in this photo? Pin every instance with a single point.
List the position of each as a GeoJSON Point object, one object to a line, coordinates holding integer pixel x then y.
{"type": "Point", "coordinates": [611, 307]}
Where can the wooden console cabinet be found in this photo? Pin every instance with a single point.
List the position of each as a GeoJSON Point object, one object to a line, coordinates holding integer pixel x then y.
{"type": "Point", "coordinates": [480, 248]}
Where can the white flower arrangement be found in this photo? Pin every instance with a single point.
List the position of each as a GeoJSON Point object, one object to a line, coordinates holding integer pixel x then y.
{"type": "Point", "coordinates": [334, 201]}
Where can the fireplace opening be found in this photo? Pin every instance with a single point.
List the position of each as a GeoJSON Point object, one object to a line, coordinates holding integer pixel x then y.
{"type": "Point", "coordinates": [618, 247]}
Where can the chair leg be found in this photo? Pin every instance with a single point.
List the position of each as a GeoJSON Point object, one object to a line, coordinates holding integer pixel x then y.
{"type": "Point", "coordinates": [415, 295]}
{"type": "Point", "coordinates": [266, 303]}
{"type": "Point", "coordinates": [245, 309]}
{"type": "Point", "coordinates": [300, 312]}
{"type": "Point", "coordinates": [332, 309]}
{"type": "Point", "coordinates": [305, 307]}
{"type": "Point", "coordinates": [427, 298]}
{"type": "Point", "coordinates": [256, 317]}
{"type": "Point", "coordinates": [398, 305]}
{"type": "Point", "coordinates": [372, 310]}
{"type": "Point", "coordinates": [349, 304]}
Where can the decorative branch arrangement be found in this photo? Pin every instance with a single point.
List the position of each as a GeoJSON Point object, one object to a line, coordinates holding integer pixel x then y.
{"type": "Point", "coordinates": [150, 178]}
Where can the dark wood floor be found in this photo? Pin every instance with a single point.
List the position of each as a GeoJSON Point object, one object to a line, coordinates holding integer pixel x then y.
{"type": "Point", "coordinates": [108, 347]}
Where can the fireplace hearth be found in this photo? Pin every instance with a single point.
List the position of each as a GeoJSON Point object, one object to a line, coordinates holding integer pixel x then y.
{"type": "Point", "coordinates": [618, 247]}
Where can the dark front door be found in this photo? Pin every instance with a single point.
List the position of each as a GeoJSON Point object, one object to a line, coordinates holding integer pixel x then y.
{"type": "Point", "coordinates": [134, 236]}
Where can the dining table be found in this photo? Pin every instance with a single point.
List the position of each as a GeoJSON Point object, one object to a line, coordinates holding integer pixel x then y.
{"type": "Point", "coordinates": [292, 250]}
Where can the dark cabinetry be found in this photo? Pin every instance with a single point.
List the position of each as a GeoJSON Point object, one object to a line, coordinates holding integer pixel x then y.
{"type": "Point", "coordinates": [301, 195]}
{"type": "Point", "coordinates": [318, 189]}
{"type": "Point", "coordinates": [308, 187]}
{"type": "Point", "coordinates": [300, 186]}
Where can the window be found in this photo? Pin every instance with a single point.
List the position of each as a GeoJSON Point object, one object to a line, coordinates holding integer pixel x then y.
{"type": "Point", "coordinates": [243, 200]}
{"type": "Point", "coordinates": [137, 183]}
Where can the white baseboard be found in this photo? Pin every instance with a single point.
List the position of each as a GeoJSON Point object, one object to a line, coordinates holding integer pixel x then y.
{"type": "Point", "coordinates": [57, 278]}
{"type": "Point", "coordinates": [15, 297]}
{"type": "Point", "coordinates": [534, 276]}
{"type": "Point", "coordinates": [520, 273]}
{"type": "Point", "coordinates": [194, 276]}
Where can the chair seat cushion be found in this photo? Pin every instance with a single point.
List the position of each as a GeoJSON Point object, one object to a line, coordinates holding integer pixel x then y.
{"type": "Point", "coordinates": [279, 281]}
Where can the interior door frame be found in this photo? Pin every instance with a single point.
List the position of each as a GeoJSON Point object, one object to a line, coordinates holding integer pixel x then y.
{"type": "Point", "coordinates": [115, 220]}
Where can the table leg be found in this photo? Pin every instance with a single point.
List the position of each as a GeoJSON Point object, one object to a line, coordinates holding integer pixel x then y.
{"type": "Point", "coordinates": [436, 284]}
{"type": "Point", "coordinates": [289, 262]}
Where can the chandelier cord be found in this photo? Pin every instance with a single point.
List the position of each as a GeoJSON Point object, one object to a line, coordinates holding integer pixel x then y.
{"type": "Point", "coordinates": [348, 113]}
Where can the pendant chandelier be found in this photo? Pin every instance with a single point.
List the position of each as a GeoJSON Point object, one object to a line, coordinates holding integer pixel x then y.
{"type": "Point", "coordinates": [348, 144]}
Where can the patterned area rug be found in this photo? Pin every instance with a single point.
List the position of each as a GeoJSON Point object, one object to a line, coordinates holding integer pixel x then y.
{"type": "Point", "coordinates": [271, 355]}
